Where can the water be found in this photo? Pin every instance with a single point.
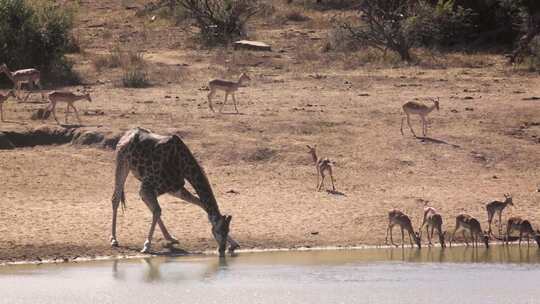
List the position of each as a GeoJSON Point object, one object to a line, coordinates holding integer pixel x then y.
{"type": "Point", "coordinates": [498, 275]}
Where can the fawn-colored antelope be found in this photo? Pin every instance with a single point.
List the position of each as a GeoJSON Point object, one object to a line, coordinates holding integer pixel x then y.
{"type": "Point", "coordinates": [468, 223]}
{"type": "Point", "coordinates": [69, 98]}
{"type": "Point", "coordinates": [498, 207]}
{"type": "Point", "coordinates": [3, 98]}
{"type": "Point", "coordinates": [420, 109]}
{"type": "Point", "coordinates": [433, 220]}
{"type": "Point", "coordinates": [19, 77]}
{"type": "Point", "coordinates": [229, 87]}
{"type": "Point", "coordinates": [396, 217]}
{"type": "Point", "coordinates": [323, 165]}
{"type": "Point", "coordinates": [524, 227]}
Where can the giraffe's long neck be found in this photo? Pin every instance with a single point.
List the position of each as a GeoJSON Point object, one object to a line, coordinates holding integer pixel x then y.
{"type": "Point", "coordinates": [197, 178]}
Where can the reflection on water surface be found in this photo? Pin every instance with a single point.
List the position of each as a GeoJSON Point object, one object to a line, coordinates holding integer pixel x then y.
{"type": "Point", "coordinates": [499, 274]}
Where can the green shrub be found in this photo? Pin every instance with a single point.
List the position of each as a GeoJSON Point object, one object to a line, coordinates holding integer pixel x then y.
{"type": "Point", "coordinates": [442, 24]}
{"type": "Point", "coordinates": [35, 36]}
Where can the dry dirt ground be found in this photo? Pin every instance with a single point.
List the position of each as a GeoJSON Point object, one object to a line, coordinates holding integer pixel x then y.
{"type": "Point", "coordinates": [55, 200]}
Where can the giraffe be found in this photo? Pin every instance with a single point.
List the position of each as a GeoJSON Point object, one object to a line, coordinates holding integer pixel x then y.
{"type": "Point", "coordinates": [163, 164]}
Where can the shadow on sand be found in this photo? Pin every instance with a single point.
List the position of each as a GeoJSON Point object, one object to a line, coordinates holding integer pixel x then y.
{"type": "Point", "coordinates": [335, 192]}
{"type": "Point", "coordinates": [426, 139]}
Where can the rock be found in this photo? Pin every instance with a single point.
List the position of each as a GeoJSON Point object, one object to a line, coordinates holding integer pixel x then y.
{"type": "Point", "coordinates": [41, 114]}
{"type": "Point", "coordinates": [251, 45]}
{"type": "Point", "coordinates": [87, 138]}
{"type": "Point", "coordinates": [5, 143]}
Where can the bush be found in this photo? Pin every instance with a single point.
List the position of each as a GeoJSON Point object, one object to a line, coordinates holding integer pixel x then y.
{"type": "Point", "coordinates": [35, 36]}
{"type": "Point", "coordinates": [532, 60]}
{"type": "Point", "coordinates": [342, 40]}
{"type": "Point", "coordinates": [399, 25]}
{"type": "Point", "coordinates": [220, 21]}
{"type": "Point", "coordinates": [442, 24]}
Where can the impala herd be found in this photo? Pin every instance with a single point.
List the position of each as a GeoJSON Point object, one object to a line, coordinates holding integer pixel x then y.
{"type": "Point", "coordinates": [464, 223]}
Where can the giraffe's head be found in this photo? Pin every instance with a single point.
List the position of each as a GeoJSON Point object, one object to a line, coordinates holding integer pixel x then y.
{"type": "Point", "coordinates": [220, 230]}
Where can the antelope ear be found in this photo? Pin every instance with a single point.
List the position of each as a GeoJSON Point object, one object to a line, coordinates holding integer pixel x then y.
{"type": "Point", "coordinates": [309, 147]}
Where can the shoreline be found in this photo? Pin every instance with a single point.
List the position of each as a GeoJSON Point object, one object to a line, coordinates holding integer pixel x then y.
{"type": "Point", "coordinates": [214, 253]}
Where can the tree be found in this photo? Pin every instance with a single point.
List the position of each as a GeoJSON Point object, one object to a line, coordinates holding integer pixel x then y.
{"type": "Point", "coordinates": [386, 25]}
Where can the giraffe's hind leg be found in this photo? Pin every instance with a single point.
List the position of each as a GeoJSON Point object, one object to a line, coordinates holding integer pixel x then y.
{"type": "Point", "coordinates": [148, 196]}
{"type": "Point", "coordinates": [121, 173]}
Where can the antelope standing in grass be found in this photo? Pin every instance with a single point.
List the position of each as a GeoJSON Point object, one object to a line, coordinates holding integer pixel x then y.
{"type": "Point", "coordinates": [498, 207]}
{"type": "Point", "coordinates": [433, 220]}
{"type": "Point", "coordinates": [69, 98]}
{"type": "Point", "coordinates": [229, 87]}
{"type": "Point", "coordinates": [19, 77]}
{"type": "Point", "coordinates": [524, 227]}
{"type": "Point", "coordinates": [468, 223]}
{"type": "Point", "coordinates": [323, 165]}
{"type": "Point", "coordinates": [420, 109]}
{"type": "Point", "coordinates": [396, 217]}
{"type": "Point", "coordinates": [3, 98]}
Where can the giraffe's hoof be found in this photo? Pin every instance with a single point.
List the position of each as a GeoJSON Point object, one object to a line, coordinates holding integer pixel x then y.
{"type": "Point", "coordinates": [114, 242]}
{"type": "Point", "coordinates": [146, 247]}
